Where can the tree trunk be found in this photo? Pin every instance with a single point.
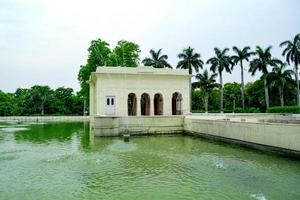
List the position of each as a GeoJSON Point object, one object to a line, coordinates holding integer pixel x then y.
{"type": "Point", "coordinates": [266, 93]}
{"type": "Point", "coordinates": [190, 68]}
{"type": "Point", "coordinates": [190, 71]}
{"type": "Point", "coordinates": [190, 87]}
{"type": "Point", "coordinates": [84, 105]}
{"type": "Point", "coordinates": [206, 103]}
{"type": "Point", "coordinates": [297, 83]}
{"type": "Point", "coordinates": [281, 96]}
{"type": "Point", "coordinates": [221, 93]}
{"type": "Point", "coordinates": [233, 105]}
{"type": "Point", "coordinates": [42, 109]}
{"type": "Point", "coordinates": [242, 86]}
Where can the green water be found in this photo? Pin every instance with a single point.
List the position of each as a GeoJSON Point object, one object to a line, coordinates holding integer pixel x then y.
{"type": "Point", "coordinates": [59, 161]}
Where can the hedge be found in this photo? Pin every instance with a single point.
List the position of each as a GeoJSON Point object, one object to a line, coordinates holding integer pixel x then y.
{"type": "Point", "coordinates": [284, 109]}
{"type": "Point", "coordinates": [248, 110]}
{"type": "Point", "coordinates": [236, 110]}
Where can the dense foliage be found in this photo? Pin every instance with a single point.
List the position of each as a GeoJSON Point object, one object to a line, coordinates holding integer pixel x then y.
{"type": "Point", "coordinates": [40, 100]}
{"type": "Point", "coordinates": [99, 54]}
{"type": "Point", "coordinates": [190, 60]}
{"type": "Point", "coordinates": [284, 109]}
{"type": "Point", "coordinates": [254, 99]}
{"type": "Point", "coordinates": [157, 60]}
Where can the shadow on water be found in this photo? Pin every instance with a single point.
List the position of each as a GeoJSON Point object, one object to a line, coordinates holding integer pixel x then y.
{"type": "Point", "coordinates": [58, 132]}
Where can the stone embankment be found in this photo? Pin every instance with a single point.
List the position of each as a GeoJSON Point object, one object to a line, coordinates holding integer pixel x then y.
{"type": "Point", "coordinates": [270, 132]}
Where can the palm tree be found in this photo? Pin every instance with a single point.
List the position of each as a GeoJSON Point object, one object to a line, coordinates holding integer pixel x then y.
{"type": "Point", "coordinates": [190, 60]}
{"type": "Point", "coordinates": [218, 63]}
{"type": "Point", "coordinates": [206, 83]}
{"type": "Point", "coordinates": [157, 60]}
{"type": "Point", "coordinates": [261, 63]}
{"type": "Point", "coordinates": [241, 55]}
{"type": "Point", "coordinates": [279, 77]}
{"type": "Point", "coordinates": [292, 54]}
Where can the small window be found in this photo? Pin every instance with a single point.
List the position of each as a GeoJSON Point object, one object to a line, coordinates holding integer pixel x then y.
{"type": "Point", "coordinates": [112, 101]}
{"type": "Point", "coordinates": [107, 101]}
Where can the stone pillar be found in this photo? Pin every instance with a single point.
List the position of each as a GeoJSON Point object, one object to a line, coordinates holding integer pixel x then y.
{"type": "Point", "coordinates": [168, 103]}
{"type": "Point", "coordinates": [151, 104]}
{"type": "Point", "coordinates": [138, 105]}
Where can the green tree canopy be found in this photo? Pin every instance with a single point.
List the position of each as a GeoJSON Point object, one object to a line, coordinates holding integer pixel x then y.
{"type": "Point", "coordinates": [125, 54]}
{"type": "Point", "coordinates": [292, 55]}
{"type": "Point", "coordinates": [6, 104]}
{"type": "Point", "coordinates": [220, 62]}
{"type": "Point", "coordinates": [261, 63]}
{"type": "Point", "coordinates": [232, 96]}
{"type": "Point", "coordinates": [278, 78]}
{"type": "Point", "coordinates": [206, 83]}
{"type": "Point", "coordinates": [240, 56]}
{"type": "Point", "coordinates": [157, 60]}
{"type": "Point", "coordinates": [190, 60]}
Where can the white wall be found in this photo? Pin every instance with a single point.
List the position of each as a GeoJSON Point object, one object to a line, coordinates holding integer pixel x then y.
{"type": "Point", "coordinates": [111, 83]}
{"type": "Point", "coordinates": [285, 136]}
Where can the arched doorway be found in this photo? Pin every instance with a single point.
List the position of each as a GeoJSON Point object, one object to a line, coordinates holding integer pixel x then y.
{"type": "Point", "coordinates": [158, 104]}
{"type": "Point", "coordinates": [131, 104]}
{"type": "Point", "coordinates": [176, 103]}
{"type": "Point", "coordinates": [145, 104]}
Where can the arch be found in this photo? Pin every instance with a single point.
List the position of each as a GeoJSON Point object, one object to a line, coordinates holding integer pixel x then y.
{"type": "Point", "coordinates": [158, 104]}
{"type": "Point", "coordinates": [131, 104]}
{"type": "Point", "coordinates": [145, 104]}
{"type": "Point", "coordinates": [176, 103]}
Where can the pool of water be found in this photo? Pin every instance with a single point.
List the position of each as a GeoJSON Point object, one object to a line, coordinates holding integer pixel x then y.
{"type": "Point", "coordinates": [60, 161]}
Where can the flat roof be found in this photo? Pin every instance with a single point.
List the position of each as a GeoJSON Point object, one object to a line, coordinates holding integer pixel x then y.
{"type": "Point", "coordinates": [141, 70]}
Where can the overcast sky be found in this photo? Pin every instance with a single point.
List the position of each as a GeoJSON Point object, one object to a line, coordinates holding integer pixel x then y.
{"type": "Point", "coordinates": [45, 42]}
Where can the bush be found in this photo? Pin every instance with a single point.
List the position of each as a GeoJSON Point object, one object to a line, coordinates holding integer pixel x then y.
{"type": "Point", "coordinates": [227, 111]}
{"type": "Point", "coordinates": [198, 111]}
{"type": "Point", "coordinates": [253, 110]}
{"type": "Point", "coordinates": [284, 109]}
{"type": "Point", "coordinates": [238, 110]}
{"type": "Point", "coordinates": [203, 111]}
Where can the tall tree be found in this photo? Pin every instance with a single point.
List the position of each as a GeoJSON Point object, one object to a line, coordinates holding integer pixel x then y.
{"type": "Point", "coordinates": [292, 55]}
{"type": "Point", "coordinates": [157, 60]}
{"type": "Point", "coordinates": [7, 106]}
{"type": "Point", "coordinates": [232, 96]}
{"type": "Point", "coordinates": [39, 96]}
{"type": "Point", "coordinates": [99, 55]}
{"type": "Point", "coordinates": [190, 60]}
{"type": "Point", "coordinates": [64, 96]}
{"type": "Point", "coordinates": [278, 78]}
{"type": "Point", "coordinates": [207, 83]}
{"type": "Point", "coordinates": [240, 56]}
{"type": "Point", "coordinates": [220, 62]}
{"type": "Point", "coordinates": [125, 54]}
{"type": "Point", "coordinates": [261, 63]}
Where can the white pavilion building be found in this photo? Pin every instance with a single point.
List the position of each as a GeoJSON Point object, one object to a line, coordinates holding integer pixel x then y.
{"type": "Point", "coordinates": [137, 91]}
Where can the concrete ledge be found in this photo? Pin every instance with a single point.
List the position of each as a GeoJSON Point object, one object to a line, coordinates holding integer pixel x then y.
{"type": "Point", "coordinates": [265, 148]}
{"type": "Point", "coordinates": [275, 136]}
{"type": "Point", "coordinates": [46, 118]}
{"type": "Point", "coordinates": [137, 125]}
